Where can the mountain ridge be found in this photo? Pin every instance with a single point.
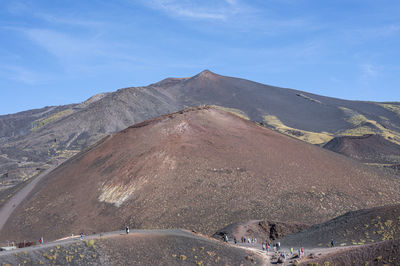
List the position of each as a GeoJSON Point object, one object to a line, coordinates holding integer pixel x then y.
{"type": "Point", "coordinates": [52, 137]}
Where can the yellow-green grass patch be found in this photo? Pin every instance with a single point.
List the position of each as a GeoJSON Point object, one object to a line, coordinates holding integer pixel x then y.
{"type": "Point", "coordinates": [304, 135]}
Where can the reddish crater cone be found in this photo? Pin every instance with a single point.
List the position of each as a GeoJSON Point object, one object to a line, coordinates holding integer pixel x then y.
{"type": "Point", "coordinates": [200, 169]}
{"type": "Point", "coordinates": [367, 148]}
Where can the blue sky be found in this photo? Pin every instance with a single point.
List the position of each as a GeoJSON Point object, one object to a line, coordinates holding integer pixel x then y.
{"type": "Point", "coordinates": [60, 52]}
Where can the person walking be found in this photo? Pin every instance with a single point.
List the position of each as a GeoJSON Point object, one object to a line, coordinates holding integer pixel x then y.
{"type": "Point", "coordinates": [81, 236]}
{"type": "Point", "coordinates": [332, 243]}
{"type": "Point", "coordinates": [127, 230]}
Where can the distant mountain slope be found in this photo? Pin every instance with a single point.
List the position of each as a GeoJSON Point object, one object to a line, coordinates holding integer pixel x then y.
{"type": "Point", "coordinates": [199, 169]}
{"type": "Point", "coordinates": [51, 135]}
{"type": "Point", "coordinates": [367, 148]}
{"type": "Point", "coordinates": [23, 123]}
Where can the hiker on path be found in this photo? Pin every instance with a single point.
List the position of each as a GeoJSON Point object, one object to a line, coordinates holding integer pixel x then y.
{"type": "Point", "coordinates": [278, 246]}
{"type": "Point", "coordinates": [41, 240]}
{"type": "Point", "coordinates": [127, 230]}
{"type": "Point", "coordinates": [291, 251]}
{"type": "Point", "coordinates": [81, 236]}
{"type": "Point", "coordinates": [234, 240]}
{"type": "Point", "coordinates": [332, 243]}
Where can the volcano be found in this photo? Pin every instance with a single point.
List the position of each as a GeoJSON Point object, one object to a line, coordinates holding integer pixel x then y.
{"type": "Point", "coordinates": [201, 169]}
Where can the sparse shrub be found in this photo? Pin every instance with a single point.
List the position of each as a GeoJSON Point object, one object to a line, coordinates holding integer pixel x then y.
{"type": "Point", "coordinates": [89, 243]}
{"type": "Point", "coordinates": [388, 223]}
{"type": "Point", "coordinates": [326, 263]}
{"type": "Point", "coordinates": [69, 258]}
{"type": "Point", "coordinates": [47, 256]}
{"type": "Point", "coordinates": [379, 258]}
{"type": "Point", "coordinates": [211, 254]}
{"type": "Point", "coordinates": [182, 257]}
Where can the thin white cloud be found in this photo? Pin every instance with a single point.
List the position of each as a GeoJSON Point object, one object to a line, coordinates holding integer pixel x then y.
{"type": "Point", "coordinates": [78, 54]}
{"type": "Point", "coordinates": [60, 44]}
{"type": "Point", "coordinates": [68, 20]}
{"type": "Point", "coordinates": [369, 71]}
{"type": "Point", "coordinates": [195, 10]}
{"type": "Point", "coordinates": [20, 74]}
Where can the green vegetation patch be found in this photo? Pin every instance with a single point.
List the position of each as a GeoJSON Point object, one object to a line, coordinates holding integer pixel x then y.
{"type": "Point", "coordinates": [307, 136]}
{"type": "Point", "coordinates": [44, 121]}
{"type": "Point", "coordinates": [391, 107]}
{"type": "Point", "coordinates": [234, 111]}
{"type": "Point", "coordinates": [363, 126]}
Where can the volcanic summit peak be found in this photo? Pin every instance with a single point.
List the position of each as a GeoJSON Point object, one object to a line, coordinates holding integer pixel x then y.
{"type": "Point", "coordinates": [207, 74]}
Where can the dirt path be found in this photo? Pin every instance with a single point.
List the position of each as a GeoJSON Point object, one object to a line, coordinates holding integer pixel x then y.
{"type": "Point", "coordinates": [270, 258]}
{"type": "Point", "coordinates": [134, 232]}
{"type": "Point", "coordinates": [8, 207]}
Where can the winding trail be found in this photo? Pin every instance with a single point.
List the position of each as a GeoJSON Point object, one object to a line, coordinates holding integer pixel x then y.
{"type": "Point", "coordinates": [7, 209]}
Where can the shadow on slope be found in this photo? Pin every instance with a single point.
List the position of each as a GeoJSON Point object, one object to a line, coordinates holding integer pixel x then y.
{"type": "Point", "coordinates": [353, 228]}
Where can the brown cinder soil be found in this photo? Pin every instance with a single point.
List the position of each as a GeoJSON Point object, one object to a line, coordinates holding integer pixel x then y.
{"type": "Point", "coordinates": [199, 169]}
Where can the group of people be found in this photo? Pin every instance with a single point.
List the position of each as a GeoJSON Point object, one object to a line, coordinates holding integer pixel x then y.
{"type": "Point", "coordinates": [266, 246]}
{"type": "Point", "coordinates": [249, 240]}
{"type": "Point", "coordinates": [300, 253]}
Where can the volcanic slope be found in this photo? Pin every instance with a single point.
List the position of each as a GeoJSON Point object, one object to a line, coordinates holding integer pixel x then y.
{"type": "Point", "coordinates": [367, 148]}
{"type": "Point", "coordinates": [167, 247]}
{"type": "Point", "coordinates": [382, 253]}
{"type": "Point", "coordinates": [353, 228]}
{"type": "Point", "coordinates": [35, 139]}
{"type": "Point", "coordinates": [199, 169]}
